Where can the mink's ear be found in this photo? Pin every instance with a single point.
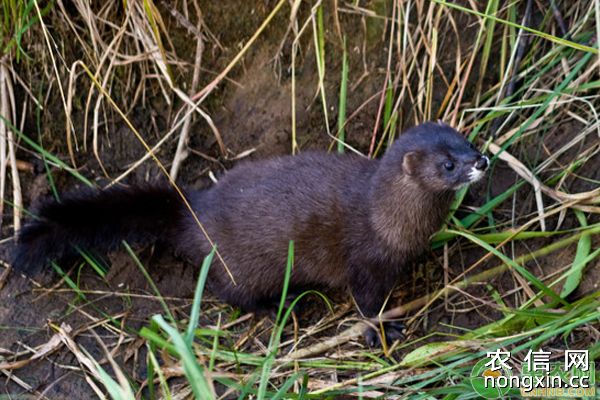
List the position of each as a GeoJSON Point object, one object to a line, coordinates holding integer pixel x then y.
{"type": "Point", "coordinates": [411, 162]}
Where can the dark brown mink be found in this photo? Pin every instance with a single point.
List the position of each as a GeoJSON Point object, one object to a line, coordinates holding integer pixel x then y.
{"type": "Point", "coordinates": [355, 222]}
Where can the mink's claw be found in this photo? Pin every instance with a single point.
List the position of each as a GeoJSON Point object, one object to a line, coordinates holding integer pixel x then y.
{"type": "Point", "coordinates": [393, 330]}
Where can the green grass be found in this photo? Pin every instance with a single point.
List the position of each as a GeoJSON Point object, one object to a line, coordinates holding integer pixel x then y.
{"type": "Point", "coordinates": [343, 100]}
{"type": "Point", "coordinates": [18, 17]}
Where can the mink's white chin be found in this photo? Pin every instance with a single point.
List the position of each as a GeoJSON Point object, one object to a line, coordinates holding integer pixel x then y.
{"type": "Point", "coordinates": [475, 174]}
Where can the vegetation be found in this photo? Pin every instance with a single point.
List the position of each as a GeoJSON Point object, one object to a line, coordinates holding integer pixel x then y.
{"type": "Point", "coordinates": [127, 91]}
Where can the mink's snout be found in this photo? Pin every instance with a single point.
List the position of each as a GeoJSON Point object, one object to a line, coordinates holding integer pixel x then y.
{"type": "Point", "coordinates": [482, 163]}
{"type": "Point", "coordinates": [478, 170]}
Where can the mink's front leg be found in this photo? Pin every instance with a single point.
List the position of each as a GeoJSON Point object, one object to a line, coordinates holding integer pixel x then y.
{"type": "Point", "coordinates": [370, 289]}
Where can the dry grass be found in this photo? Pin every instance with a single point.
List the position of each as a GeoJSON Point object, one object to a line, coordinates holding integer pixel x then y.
{"type": "Point", "coordinates": [518, 269]}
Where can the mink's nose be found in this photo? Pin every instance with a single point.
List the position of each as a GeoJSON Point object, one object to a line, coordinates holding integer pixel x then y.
{"type": "Point", "coordinates": [482, 163]}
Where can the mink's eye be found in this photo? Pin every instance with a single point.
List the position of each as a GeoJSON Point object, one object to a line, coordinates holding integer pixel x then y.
{"type": "Point", "coordinates": [472, 146]}
{"type": "Point", "coordinates": [449, 165]}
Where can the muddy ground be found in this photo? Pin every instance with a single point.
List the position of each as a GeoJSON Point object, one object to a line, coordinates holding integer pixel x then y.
{"type": "Point", "coordinates": [252, 112]}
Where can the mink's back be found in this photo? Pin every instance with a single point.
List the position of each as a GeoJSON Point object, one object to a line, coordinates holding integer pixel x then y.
{"type": "Point", "coordinates": [319, 200]}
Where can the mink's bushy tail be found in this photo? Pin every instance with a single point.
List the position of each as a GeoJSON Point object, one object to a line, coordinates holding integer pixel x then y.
{"type": "Point", "coordinates": [96, 220]}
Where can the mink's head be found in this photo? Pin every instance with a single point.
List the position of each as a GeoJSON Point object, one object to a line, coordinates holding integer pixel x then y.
{"type": "Point", "coordinates": [437, 157]}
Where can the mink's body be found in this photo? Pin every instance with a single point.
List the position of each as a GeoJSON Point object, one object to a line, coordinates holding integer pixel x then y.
{"type": "Point", "coordinates": [321, 205]}
{"type": "Point", "coordinates": [355, 222]}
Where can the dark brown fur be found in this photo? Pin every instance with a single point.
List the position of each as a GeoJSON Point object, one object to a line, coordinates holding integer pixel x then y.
{"type": "Point", "coordinates": [355, 222]}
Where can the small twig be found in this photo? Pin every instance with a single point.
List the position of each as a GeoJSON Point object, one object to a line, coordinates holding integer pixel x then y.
{"type": "Point", "coordinates": [9, 105]}
{"type": "Point", "coordinates": [523, 41]}
{"type": "Point", "coordinates": [4, 276]}
{"type": "Point", "coordinates": [385, 83]}
{"type": "Point", "coordinates": [559, 19]}
{"type": "Point", "coordinates": [3, 135]}
{"type": "Point", "coordinates": [584, 201]}
{"type": "Point", "coordinates": [182, 151]}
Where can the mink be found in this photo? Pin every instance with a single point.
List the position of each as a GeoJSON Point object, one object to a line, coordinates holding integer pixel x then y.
{"type": "Point", "coordinates": [356, 222]}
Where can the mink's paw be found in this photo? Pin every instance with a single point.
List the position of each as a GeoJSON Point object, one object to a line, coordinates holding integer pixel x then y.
{"type": "Point", "coordinates": [393, 331]}
{"type": "Point", "coordinates": [269, 308]}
